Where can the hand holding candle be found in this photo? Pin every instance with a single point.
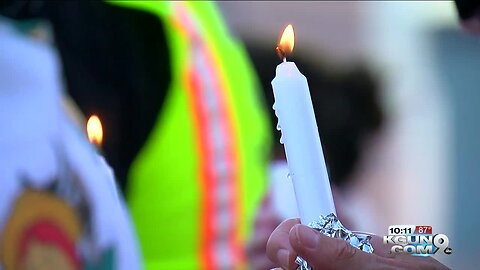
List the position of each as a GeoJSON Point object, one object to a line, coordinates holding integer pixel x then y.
{"type": "Point", "coordinates": [296, 120]}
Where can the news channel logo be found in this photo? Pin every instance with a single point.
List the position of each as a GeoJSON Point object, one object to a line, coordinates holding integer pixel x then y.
{"type": "Point", "coordinates": [416, 240]}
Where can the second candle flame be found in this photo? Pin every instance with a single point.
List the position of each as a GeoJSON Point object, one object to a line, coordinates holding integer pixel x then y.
{"type": "Point", "coordinates": [95, 130]}
{"type": "Point", "coordinates": [286, 43]}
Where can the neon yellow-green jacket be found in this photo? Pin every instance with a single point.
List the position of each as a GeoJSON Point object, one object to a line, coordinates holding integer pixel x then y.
{"type": "Point", "coordinates": [195, 185]}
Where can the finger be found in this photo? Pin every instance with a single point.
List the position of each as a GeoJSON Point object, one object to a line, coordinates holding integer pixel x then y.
{"type": "Point", "coordinates": [379, 248]}
{"type": "Point", "coordinates": [403, 260]}
{"type": "Point", "coordinates": [256, 252]}
{"type": "Point", "coordinates": [258, 244]}
{"type": "Point", "coordinates": [260, 262]}
{"type": "Point", "coordinates": [324, 252]}
{"type": "Point", "coordinates": [279, 249]}
{"type": "Point", "coordinates": [382, 249]}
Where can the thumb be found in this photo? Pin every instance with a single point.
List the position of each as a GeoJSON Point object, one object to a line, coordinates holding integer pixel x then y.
{"type": "Point", "coordinates": [323, 252]}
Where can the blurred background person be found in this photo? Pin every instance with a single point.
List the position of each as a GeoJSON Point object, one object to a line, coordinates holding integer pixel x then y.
{"type": "Point", "coordinates": [58, 205]}
{"type": "Point", "coordinates": [185, 127]}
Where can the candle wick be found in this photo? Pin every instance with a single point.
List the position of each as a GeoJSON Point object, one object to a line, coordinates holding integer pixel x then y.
{"type": "Point", "coordinates": [281, 54]}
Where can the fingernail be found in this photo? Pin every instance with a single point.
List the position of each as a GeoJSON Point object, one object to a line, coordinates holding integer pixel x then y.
{"type": "Point", "coordinates": [306, 236]}
{"type": "Point", "coordinates": [282, 257]}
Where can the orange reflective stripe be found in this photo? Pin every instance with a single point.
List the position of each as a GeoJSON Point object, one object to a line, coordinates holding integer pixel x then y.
{"type": "Point", "coordinates": [232, 156]}
{"type": "Point", "coordinates": [204, 174]}
{"type": "Point", "coordinates": [217, 147]}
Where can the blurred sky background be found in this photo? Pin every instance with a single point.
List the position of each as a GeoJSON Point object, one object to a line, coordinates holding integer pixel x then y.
{"type": "Point", "coordinates": [424, 168]}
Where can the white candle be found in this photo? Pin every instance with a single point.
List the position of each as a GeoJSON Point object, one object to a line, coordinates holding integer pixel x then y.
{"type": "Point", "coordinates": [296, 119]}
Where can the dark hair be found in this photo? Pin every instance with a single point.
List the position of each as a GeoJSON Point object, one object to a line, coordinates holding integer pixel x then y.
{"type": "Point", "coordinates": [467, 8]}
{"type": "Point", "coordinates": [346, 105]}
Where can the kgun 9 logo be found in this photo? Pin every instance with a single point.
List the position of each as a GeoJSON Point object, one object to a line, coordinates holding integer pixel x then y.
{"type": "Point", "coordinates": [418, 245]}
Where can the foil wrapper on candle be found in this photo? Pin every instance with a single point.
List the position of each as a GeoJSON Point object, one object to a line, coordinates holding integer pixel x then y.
{"type": "Point", "coordinates": [331, 226]}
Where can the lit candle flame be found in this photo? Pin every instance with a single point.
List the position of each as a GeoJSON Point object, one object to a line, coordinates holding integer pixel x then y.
{"type": "Point", "coordinates": [94, 130]}
{"type": "Point", "coordinates": [287, 41]}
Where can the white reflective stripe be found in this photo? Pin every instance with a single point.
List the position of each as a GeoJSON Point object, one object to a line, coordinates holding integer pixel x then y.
{"type": "Point", "coordinates": [222, 249]}
{"type": "Point", "coordinates": [222, 256]}
{"type": "Point", "coordinates": [222, 194]}
{"type": "Point", "coordinates": [222, 216]}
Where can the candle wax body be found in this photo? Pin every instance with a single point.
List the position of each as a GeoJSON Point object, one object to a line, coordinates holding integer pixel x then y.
{"type": "Point", "coordinates": [296, 119]}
